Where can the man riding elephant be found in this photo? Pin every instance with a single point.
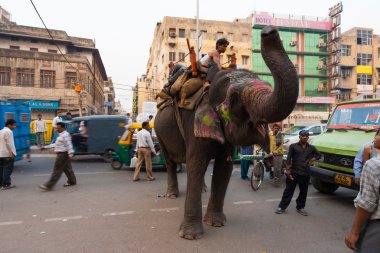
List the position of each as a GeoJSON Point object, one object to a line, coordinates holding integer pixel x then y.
{"type": "Point", "coordinates": [233, 112]}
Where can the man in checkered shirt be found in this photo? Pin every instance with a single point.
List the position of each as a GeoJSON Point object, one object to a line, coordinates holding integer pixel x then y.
{"type": "Point", "coordinates": [365, 232]}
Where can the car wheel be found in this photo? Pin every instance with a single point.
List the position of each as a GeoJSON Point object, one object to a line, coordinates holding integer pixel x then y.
{"type": "Point", "coordinates": [116, 164]}
{"type": "Point", "coordinates": [323, 187]}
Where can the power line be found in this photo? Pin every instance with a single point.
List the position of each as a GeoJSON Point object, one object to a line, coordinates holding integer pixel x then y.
{"type": "Point", "coordinates": [51, 36]}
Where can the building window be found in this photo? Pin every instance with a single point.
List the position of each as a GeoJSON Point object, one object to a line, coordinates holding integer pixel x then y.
{"type": "Point", "coordinates": [204, 34]}
{"type": "Point", "coordinates": [52, 51]}
{"type": "Point", "coordinates": [230, 37]}
{"type": "Point", "coordinates": [244, 59]}
{"type": "Point", "coordinates": [364, 79]}
{"type": "Point", "coordinates": [378, 52]}
{"type": "Point", "coordinates": [24, 117]}
{"type": "Point", "coordinates": [25, 77]}
{"type": "Point", "coordinates": [219, 35]}
{"type": "Point", "coordinates": [363, 59]}
{"type": "Point", "coordinates": [346, 73]}
{"type": "Point", "coordinates": [346, 50]}
{"type": "Point", "coordinates": [171, 56]}
{"type": "Point", "coordinates": [364, 37]}
{"type": "Point", "coordinates": [172, 32]}
{"type": "Point", "coordinates": [34, 49]}
{"type": "Point", "coordinates": [71, 78]}
{"type": "Point", "coordinates": [5, 76]}
{"type": "Point", "coordinates": [14, 47]}
{"type": "Point", "coordinates": [47, 78]}
{"type": "Point", "coordinates": [181, 33]}
{"type": "Point", "coordinates": [162, 58]}
{"type": "Point", "coordinates": [181, 56]}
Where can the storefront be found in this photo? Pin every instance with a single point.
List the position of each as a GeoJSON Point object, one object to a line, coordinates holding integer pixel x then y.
{"type": "Point", "coordinates": [47, 108]}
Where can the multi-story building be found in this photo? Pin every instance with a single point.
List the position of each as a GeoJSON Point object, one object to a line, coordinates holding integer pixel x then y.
{"type": "Point", "coordinates": [169, 45]}
{"type": "Point", "coordinates": [360, 64]}
{"type": "Point", "coordinates": [44, 72]}
{"type": "Point", "coordinates": [109, 97]}
{"type": "Point", "coordinates": [305, 41]}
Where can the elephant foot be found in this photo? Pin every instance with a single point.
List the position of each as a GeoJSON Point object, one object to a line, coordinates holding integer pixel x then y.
{"type": "Point", "coordinates": [215, 219]}
{"type": "Point", "coordinates": [171, 194]}
{"type": "Point", "coordinates": [191, 230]}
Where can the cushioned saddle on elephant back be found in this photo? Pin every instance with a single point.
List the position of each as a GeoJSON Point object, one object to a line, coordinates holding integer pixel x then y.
{"type": "Point", "coordinates": [207, 122]}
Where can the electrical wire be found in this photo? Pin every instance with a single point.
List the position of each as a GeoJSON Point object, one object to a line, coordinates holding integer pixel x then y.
{"type": "Point", "coordinates": [51, 36]}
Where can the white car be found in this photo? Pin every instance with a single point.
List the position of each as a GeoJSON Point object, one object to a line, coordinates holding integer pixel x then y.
{"type": "Point", "coordinates": [292, 134]}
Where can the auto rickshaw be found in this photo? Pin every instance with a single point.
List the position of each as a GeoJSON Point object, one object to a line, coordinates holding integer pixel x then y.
{"type": "Point", "coordinates": [127, 149]}
{"type": "Point", "coordinates": [102, 135]}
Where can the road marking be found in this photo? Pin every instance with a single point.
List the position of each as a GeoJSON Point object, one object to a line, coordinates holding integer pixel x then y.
{"type": "Point", "coordinates": [81, 173]}
{"type": "Point", "coordinates": [118, 213]}
{"type": "Point", "coordinates": [64, 218]}
{"type": "Point", "coordinates": [6, 223]}
{"type": "Point", "coordinates": [165, 209]}
{"type": "Point", "coordinates": [243, 202]}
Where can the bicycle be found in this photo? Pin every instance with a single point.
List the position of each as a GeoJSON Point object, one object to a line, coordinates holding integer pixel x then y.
{"type": "Point", "coordinates": [258, 171]}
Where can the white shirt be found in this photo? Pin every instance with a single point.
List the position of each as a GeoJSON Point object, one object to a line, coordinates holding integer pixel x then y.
{"type": "Point", "coordinates": [7, 144]}
{"type": "Point", "coordinates": [144, 139]}
{"type": "Point", "coordinates": [40, 126]}
{"type": "Point", "coordinates": [63, 143]}
{"type": "Point", "coordinates": [56, 120]}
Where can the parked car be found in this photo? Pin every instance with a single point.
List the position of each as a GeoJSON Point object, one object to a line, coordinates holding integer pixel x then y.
{"type": "Point", "coordinates": [293, 136]}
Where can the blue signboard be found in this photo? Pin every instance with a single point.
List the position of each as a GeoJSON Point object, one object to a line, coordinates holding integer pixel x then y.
{"type": "Point", "coordinates": [40, 104]}
{"type": "Point", "coordinates": [108, 103]}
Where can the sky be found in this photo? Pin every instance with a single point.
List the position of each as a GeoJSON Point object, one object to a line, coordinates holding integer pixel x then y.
{"type": "Point", "coordinates": [123, 30]}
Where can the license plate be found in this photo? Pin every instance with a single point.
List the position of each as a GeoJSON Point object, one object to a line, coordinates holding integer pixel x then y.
{"type": "Point", "coordinates": [343, 180]}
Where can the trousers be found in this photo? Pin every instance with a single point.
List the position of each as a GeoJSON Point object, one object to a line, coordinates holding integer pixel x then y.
{"type": "Point", "coordinates": [62, 165]}
{"type": "Point", "coordinates": [303, 183]}
{"type": "Point", "coordinates": [40, 138]}
{"type": "Point", "coordinates": [143, 154]}
{"type": "Point", "coordinates": [6, 169]}
{"type": "Point", "coordinates": [369, 237]}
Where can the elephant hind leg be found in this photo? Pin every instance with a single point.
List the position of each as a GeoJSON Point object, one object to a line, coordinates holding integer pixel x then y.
{"type": "Point", "coordinates": [172, 190]}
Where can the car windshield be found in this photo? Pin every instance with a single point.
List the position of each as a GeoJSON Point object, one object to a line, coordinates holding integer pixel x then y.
{"type": "Point", "coordinates": [361, 116]}
{"type": "Point", "coordinates": [294, 130]}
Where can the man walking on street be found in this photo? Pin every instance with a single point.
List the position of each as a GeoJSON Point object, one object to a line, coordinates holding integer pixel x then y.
{"type": "Point", "coordinates": [144, 149]}
{"type": "Point", "coordinates": [7, 154]}
{"type": "Point", "coordinates": [244, 164]}
{"type": "Point", "coordinates": [55, 121]}
{"type": "Point", "coordinates": [301, 155]}
{"type": "Point", "coordinates": [365, 232]}
{"type": "Point", "coordinates": [65, 152]}
{"type": "Point", "coordinates": [276, 139]}
{"type": "Point", "coordinates": [40, 126]}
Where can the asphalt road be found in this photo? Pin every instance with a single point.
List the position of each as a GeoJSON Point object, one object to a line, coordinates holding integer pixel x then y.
{"type": "Point", "coordinates": [108, 212]}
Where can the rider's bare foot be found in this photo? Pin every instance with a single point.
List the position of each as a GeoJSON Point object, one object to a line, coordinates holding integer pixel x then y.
{"type": "Point", "coordinates": [206, 85]}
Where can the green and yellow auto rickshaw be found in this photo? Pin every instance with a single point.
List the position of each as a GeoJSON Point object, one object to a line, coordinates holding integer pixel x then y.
{"type": "Point", "coordinates": [127, 149]}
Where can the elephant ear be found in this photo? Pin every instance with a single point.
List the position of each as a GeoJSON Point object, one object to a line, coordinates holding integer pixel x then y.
{"type": "Point", "coordinates": [207, 122]}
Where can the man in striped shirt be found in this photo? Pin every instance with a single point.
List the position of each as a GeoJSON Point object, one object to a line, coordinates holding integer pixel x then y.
{"type": "Point", "coordinates": [365, 232]}
{"type": "Point", "coordinates": [65, 152]}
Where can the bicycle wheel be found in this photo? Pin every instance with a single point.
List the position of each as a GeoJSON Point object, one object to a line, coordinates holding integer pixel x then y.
{"type": "Point", "coordinates": [257, 176]}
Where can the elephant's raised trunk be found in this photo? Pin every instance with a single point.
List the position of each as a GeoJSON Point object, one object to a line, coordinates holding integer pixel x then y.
{"type": "Point", "coordinates": [276, 106]}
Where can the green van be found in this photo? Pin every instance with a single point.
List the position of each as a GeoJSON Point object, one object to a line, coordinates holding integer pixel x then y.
{"type": "Point", "coordinates": [352, 124]}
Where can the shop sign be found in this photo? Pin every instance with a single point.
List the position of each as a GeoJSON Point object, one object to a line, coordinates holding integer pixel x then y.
{"type": "Point", "coordinates": [263, 18]}
{"type": "Point", "coordinates": [38, 104]}
{"type": "Point", "coordinates": [316, 100]}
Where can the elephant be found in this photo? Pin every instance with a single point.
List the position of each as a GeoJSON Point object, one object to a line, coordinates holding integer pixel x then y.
{"type": "Point", "coordinates": [233, 112]}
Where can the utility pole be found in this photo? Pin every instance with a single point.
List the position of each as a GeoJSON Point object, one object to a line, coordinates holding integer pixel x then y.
{"type": "Point", "coordinates": [197, 31]}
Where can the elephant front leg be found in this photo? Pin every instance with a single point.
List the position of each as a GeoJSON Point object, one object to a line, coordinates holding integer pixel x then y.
{"type": "Point", "coordinates": [192, 227]}
{"type": "Point", "coordinates": [172, 190]}
{"type": "Point", "coordinates": [220, 179]}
